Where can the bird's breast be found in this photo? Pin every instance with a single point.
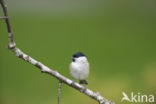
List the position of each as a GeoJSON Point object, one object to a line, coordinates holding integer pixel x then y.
{"type": "Point", "coordinates": [79, 71]}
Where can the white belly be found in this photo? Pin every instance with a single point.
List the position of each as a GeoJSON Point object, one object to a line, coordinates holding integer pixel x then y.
{"type": "Point", "coordinates": [79, 71]}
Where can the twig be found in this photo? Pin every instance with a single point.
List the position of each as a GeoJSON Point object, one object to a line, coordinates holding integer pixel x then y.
{"type": "Point", "coordinates": [59, 91]}
{"type": "Point", "coordinates": [45, 69]}
{"type": "Point", "coordinates": [1, 18]}
{"type": "Point", "coordinates": [10, 33]}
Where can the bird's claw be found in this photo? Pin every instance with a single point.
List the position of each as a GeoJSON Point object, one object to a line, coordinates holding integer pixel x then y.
{"type": "Point", "coordinates": [72, 82]}
{"type": "Point", "coordinates": [83, 89]}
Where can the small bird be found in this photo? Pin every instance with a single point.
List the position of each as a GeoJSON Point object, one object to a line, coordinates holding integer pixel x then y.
{"type": "Point", "coordinates": [79, 68]}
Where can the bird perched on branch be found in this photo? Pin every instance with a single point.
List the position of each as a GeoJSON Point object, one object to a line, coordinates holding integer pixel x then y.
{"type": "Point", "coordinates": [79, 68]}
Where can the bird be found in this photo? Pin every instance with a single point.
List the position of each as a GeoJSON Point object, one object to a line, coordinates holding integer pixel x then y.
{"type": "Point", "coordinates": [79, 68]}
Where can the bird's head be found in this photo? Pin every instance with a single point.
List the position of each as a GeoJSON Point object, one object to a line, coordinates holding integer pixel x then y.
{"type": "Point", "coordinates": [78, 57]}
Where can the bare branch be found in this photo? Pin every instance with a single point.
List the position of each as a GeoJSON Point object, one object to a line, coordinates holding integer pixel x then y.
{"type": "Point", "coordinates": [59, 91]}
{"type": "Point", "coordinates": [45, 69]}
{"type": "Point", "coordinates": [1, 18]}
{"type": "Point", "coordinates": [4, 7]}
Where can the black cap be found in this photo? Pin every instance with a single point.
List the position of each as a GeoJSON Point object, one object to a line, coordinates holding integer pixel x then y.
{"type": "Point", "coordinates": [78, 54]}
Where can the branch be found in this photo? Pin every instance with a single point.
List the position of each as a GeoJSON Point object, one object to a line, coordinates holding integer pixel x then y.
{"type": "Point", "coordinates": [59, 91]}
{"type": "Point", "coordinates": [12, 46]}
{"type": "Point", "coordinates": [10, 33]}
{"type": "Point", "coordinates": [1, 18]}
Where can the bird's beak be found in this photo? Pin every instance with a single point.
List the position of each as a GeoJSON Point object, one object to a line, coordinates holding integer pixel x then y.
{"type": "Point", "coordinates": [72, 58]}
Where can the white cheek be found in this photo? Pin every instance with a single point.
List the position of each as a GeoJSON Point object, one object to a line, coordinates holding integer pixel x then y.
{"type": "Point", "coordinates": [81, 59]}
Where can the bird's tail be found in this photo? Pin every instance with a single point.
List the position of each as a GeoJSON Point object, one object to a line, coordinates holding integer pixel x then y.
{"type": "Point", "coordinates": [83, 82]}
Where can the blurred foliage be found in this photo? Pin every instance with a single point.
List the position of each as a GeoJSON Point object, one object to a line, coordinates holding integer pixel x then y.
{"type": "Point", "coordinates": [118, 37]}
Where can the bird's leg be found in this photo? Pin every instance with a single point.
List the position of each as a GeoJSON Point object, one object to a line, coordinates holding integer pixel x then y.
{"type": "Point", "coordinates": [84, 82]}
{"type": "Point", "coordinates": [73, 82]}
{"type": "Point", "coordinates": [84, 88]}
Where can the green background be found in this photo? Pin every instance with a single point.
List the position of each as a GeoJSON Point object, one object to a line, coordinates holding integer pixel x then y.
{"type": "Point", "coordinates": [118, 37]}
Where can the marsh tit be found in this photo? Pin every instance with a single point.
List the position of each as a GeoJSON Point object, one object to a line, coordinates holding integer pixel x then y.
{"type": "Point", "coordinates": [79, 68]}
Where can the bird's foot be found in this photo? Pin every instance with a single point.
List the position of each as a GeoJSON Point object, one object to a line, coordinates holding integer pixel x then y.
{"type": "Point", "coordinates": [83, 89]}
{"type": "Point", "coordinates": [72, 82]}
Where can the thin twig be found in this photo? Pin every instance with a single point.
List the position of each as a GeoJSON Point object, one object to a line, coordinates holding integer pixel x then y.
{"type": "Point", "coordinates": [45, 69]}
{"type": "Point", "coordinates": [59, 91]}
{"type": "Point", "coordinates": [4, 6]}
{"type": "Point", "coordinates": [1, 18]}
